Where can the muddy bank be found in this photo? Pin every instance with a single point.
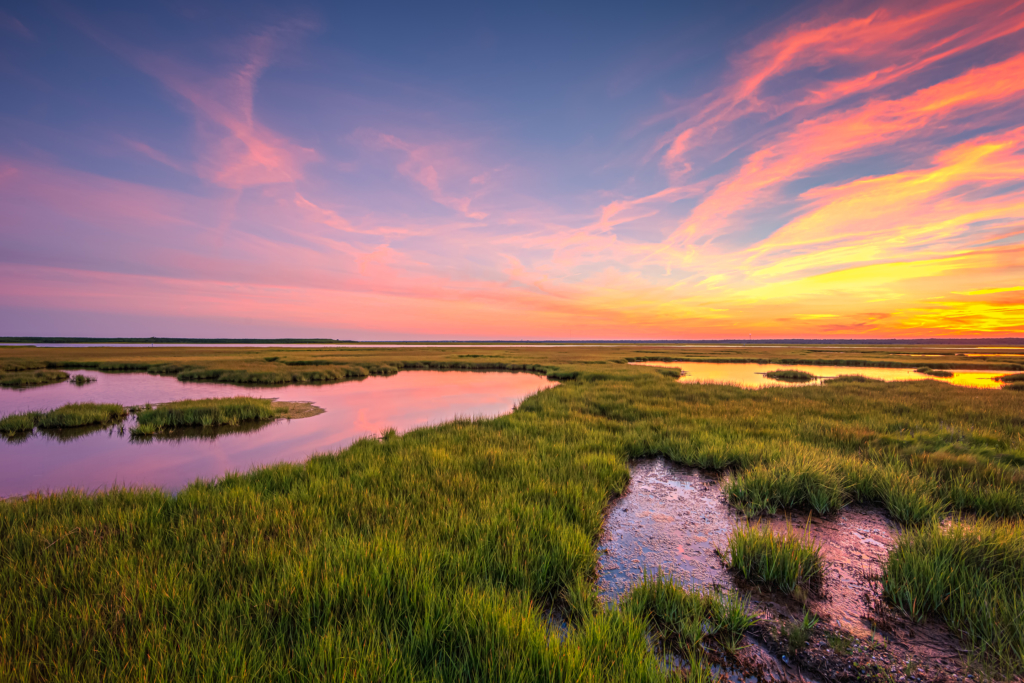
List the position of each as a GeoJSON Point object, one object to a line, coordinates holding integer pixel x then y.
{"type": "Point", "coordinates": [672, 519]}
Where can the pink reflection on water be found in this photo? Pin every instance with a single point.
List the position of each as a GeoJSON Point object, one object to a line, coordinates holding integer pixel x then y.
{"type": "Point", "coordinates": [354, 409]}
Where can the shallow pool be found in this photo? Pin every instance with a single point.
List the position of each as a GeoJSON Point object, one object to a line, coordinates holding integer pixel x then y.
{"type": "Point", "coordinates": [97, 459]}
{"type": "Point", "coordinates": [752, 375]}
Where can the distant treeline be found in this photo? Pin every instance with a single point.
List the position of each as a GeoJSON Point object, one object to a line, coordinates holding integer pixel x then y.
{"type": "Point", "coordinates": [987, 341]}
{"type": "Point", "coordinates": [162, 340]}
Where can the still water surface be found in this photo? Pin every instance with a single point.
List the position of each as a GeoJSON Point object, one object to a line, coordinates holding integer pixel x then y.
{"type": "Point", "coordinates": [354, 409]}
{"type": "Point", "coordinates": [751, 375]}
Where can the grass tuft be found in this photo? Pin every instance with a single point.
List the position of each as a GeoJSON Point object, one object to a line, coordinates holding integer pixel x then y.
{"type": "Point", "coordinates": [783, 561]}
{"type": "Point", "coordinates": [31, 378]}
{"type": "Point", "coordinates": [853, 378]}
{"type": "Point", "coordinates": [934, 373]}
{"type": "Point", "coordinates": [684, 619]}
{"type": "Point", "coordinates": [790, 375]}
{"type": "Point", "coordinates": [801, 479]}
{"type": "Point", "coordinates": [81, 380]}
{"type": "Point", "coordinates": [972, 576]}
{"type": "Point", "coordinates": [82, 415]}
{"type": "Point", "coordinates": [18, 422]}
{"type": "Point", "coordinates": [796, 633]}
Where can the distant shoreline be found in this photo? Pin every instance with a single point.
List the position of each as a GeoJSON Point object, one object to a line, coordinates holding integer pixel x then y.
{"type": "Point", "coordinates": [930, 341]}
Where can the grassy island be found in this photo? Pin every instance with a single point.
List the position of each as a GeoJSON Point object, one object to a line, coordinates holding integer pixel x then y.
{"type": "Point", "coordinates": [790, 375]}
{"type": "Point", "coordinates": [66, 417]}
{"type": "Point", "coordinates": [214, 412]}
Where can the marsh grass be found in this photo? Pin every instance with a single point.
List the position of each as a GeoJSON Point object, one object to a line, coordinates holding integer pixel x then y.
{"type": "Point", "coordinates": [1014, 386]}
{"type": "Point", "coordinates": [82, 415]}
{"type": "Point", "coordinates": [1017, 377]}
{"type": "Point", "coordinates": [437, 554]}
{"type": "Point", "coordinates": [972, 576]}
{"type": "Point", "coordinates": [799, 479]}
{"type": "Point", "coordinates": [68, 416]}
{"type": "Point", "coordinates": [212, 412]}
{"type": "Point", "coordinates": [81, 380]}
{"type": "Point", "coordinates": [18, 422]}
{"type": "Point", "coordinates": [783, 561]}
{"type": "Point", "coordinates": [852, 378]}
{"type": "Point", "coordinates": [31, 378]}
{"type": "Point", "coordinates": [932, 372]}
{"type": "Point", "coordinates": [797, 633]}
{"type": "Point", "coordinates": [683, 619]}
{"type": "Point", "coordinates": [790, 375]}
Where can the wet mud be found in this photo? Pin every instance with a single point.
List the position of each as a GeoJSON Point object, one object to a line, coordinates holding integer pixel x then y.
{"type": "Point", "coordinates": [672, 519]}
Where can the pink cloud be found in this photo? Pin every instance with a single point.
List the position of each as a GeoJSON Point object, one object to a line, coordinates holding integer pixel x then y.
{"type": "Point", "coordinates": [235, 150]}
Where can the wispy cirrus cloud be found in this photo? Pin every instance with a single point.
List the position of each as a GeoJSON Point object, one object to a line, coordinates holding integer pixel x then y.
{"type": "Point", "coordinates": [233, 148]}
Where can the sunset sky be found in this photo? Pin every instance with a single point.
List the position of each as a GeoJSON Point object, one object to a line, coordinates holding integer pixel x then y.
{"type": "Point", "coordinates": [512, 171]}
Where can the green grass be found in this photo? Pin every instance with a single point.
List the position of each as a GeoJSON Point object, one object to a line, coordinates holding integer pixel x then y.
{"type": "Point", "coordinates": [31, 378]}
{"type": "Point", "coordinates": [783, 561]}
{"type": "Point", "coordinates": [438, 554]}
{"type": "Point", "coordinates": [81, 380]}
{"type": "Point", "coordinates": [790, 375]}
{"type": "Point", "coordinates": [81, 415]}
{"type": "Point", "coordinates": [799, 479]}
{"type": "Point", "coordinates": [211, 412]}
{"type": "Point", "coordinates": [66, 417]}
{"type": "Point", "coordinates": [18, 422]}
{"type": "Point", "coordinates": [972, 576]}
{"type": "Point", "coordinates": [797, 633]}
{"type": "Point", "coordinates": [683, 619]}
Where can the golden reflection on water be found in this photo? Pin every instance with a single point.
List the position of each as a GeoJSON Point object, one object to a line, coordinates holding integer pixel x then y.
{"type": "Point", "coordinates": [751, 375]}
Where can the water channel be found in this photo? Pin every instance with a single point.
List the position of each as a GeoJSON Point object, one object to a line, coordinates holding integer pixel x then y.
{"type": "Point", "coordinates": [94, 459]}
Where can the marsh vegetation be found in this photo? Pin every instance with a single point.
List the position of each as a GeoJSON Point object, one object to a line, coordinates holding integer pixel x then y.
{"type": "Point", "coordinates": [790, 375]}
{"type": "Point", "coordinates": [212, 412]}
{"type": "Point", "coordinates": [439, 553]}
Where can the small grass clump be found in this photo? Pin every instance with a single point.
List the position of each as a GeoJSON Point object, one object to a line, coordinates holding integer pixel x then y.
{"type": "Point", "coordinates": [972, 576]}
{"type": "Point", "coordinates": [682, 620]}
{"type": "Point", "coordinates": [801, 479]}
{"type": "Point", "coordinates": [797, 633]}
{"type": "Point", "coordinates": [212, 412]}
{"type": "Point", "coordinates": [81, 380]}
{"type": "Point", "coordinates": [82, 415]}
{"type": "Point", "coordinates": [790, 375]}
{"type": "Point", "coordinates": [932, 372]}
{"type": "Point", "coordinates": [861, 379]}
{"type": "Point", "coordinates": [31, 378]}
{"type": "Point", "coordinates": [783, 561]}
{"type": "Point", "coordinates": [16, 423]}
